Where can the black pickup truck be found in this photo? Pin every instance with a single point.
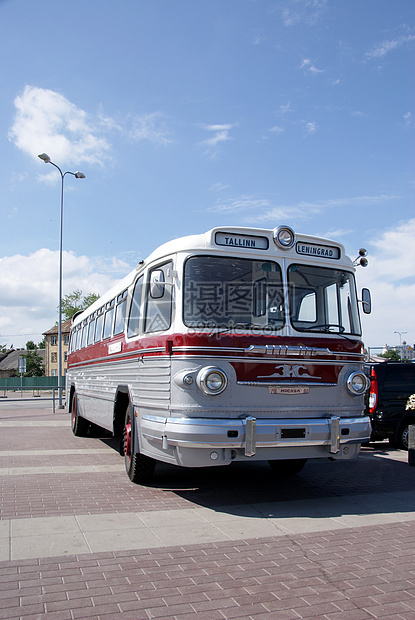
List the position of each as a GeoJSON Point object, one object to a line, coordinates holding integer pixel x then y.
{"type": "Point", "coordinates": [391, 384]}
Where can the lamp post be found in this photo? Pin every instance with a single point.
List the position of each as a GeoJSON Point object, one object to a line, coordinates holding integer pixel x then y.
{"type": "Point", "coordinates": [77, 175]}
{"type": "Point", "coordinates": [400, 336]}
{"type": "Point", "coordinates": [400, 342]}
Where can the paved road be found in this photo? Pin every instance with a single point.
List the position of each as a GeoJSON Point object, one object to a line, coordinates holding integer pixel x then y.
{"type": "Point", "coordinates": [78, 540]}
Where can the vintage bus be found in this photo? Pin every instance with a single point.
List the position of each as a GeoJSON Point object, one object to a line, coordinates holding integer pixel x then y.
{"type": "Point", "coordinates": [238, 344]}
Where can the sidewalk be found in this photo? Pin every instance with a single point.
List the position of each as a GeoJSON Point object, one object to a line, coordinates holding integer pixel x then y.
{"type": "Point", "coordinates": [78, 540]}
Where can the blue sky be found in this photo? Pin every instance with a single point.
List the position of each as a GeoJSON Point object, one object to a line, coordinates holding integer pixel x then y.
{"type": "Point", "coordinates": [190, 114]}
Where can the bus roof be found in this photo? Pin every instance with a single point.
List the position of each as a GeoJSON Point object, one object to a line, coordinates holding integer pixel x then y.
{"type": "Point", "coordinates": [232, 239]}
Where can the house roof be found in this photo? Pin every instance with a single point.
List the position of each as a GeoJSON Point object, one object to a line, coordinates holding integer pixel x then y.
{"type": "Point", "coordinates": [10, 361]}
{"type": "Point", "coordinates": [66, 328]}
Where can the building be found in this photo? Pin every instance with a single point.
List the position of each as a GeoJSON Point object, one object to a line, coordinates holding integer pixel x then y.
{"type": "Point", "coordinates": [51, 344]}
{"type": "Point", "coordinates": [9, 361]}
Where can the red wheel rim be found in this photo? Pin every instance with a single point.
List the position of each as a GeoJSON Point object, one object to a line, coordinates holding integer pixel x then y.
{"type": "Point", "coordinates": [127, 439]}
{"type": "Point", "coordinates": [73, 413]}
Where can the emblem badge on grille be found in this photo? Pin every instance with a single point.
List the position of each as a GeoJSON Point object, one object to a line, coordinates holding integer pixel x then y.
{"type": "Point", "coordinates": [290, 371]}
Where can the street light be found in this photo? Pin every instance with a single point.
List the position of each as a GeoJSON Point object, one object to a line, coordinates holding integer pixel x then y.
{"type": "Point", "coordinates": [400, 336]}
{"type": "Point", "coordinates": [78, 175]}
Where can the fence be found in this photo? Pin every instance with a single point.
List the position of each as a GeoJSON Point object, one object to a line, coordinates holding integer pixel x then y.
{"type": "Point", "coordinates": [38, 385]}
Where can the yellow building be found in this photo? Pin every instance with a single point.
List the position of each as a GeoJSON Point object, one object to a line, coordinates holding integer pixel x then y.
{"type": "Point", "coordinates": [51, 346]}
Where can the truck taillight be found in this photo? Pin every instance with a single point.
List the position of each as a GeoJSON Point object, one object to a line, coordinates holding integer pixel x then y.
{"type": "Point", "coordinates": [373, 392]}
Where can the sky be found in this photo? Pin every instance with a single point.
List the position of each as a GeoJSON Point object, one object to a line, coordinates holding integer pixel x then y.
{"type": "Point", "coordinates": [190, 114]}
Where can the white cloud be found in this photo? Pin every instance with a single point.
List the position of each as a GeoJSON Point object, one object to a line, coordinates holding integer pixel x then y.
{"type": "Point", "coordinates": [220, 133]}
{"type": "Point", "coordinates": [276, 129]}
{"type": "Point", "coordinates": [45, 121]}
{"type": "Point", "coordinates": [310, 128]}
{"type": "Point", "coordinates": [391, 277]}
{"type": "Point", "coordinates": [30, 289]}
{"type": "Point", "coordinates": [381, 49]}
{"type": "Point", "coordinates": [151, 128]}
{"type": "Point", "coordinates": [303, 11]}
{"type": "Point", "coordinates": [264, 210]}
{"type": "Point", "coordinates": [308, 65]}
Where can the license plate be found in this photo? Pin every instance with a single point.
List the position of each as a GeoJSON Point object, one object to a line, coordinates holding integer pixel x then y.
{"type": "Point", "coordinates": [288, 390]}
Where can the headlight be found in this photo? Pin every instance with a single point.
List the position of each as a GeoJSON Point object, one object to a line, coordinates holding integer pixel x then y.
{"type": "Point", "coordinates": [212, 381]}
{"type": "Point", "coordinates": [357, 383]}
{"type": "Point", "coordinates": [284, 237]}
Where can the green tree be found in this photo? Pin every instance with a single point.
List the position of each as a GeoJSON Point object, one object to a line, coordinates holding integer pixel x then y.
{"type": "Point", "coordinates": [42, 344]}
{"type": "Point", "coordinates": [393, 356]}
{"type": "Point", "coordinates": [30, 345]}
{"type": "Point", "coordinates": [34, 364]}
{"type": "Point", "coordinates": [74, 302]}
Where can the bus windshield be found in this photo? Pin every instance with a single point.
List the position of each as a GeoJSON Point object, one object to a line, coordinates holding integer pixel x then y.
{"type": "Point", "coordinates": [323, 300]}
{"type": "Point", "coordinates": [232, 292]}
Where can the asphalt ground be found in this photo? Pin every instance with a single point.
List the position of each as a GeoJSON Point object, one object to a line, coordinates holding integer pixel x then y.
{"type": "Point", "coordinates": [79, 540]}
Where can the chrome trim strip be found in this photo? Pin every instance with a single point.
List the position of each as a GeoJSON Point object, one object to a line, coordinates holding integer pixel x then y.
{"type": "Point", "coordinates": [115, 357]}
{"type": "Point", "coordinates": [303, 443]}
{"type": "Point", "coordinates": [274, 350]}
{"type": "Point", "coordinates": [286, 383]}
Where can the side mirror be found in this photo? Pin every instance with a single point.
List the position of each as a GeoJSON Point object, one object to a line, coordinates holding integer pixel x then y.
{"type": "Point", "coordinates": [157, 284]}
{"type": "Point", "coordinates": [366, 301]}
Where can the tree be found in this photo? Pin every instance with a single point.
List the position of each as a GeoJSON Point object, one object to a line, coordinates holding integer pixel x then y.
{"type": "Point", "coordinates": [74, 302]}
{"type": "Point", "coordinates": [42, 344]}
{"type": "Point", "coordinates": [34, 364]}
{"type": "Point", "coordinates": [30, 345]}
{"type": "Point", "coordinates": [391, 355]}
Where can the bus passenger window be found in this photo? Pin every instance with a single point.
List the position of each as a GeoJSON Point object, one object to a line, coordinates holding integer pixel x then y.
{"type": "Point", "coordinates": [75, 338]}
{"type": "Point", "coordinates": [108, 320]}
{"type": "Point", "coordinates": [158, 300]}
{"type": "Point", "coordinates": [120, 313]}
{"type": "Point", "coordinates": [98, 327]}
{"type": "Point", "coordinates": [134, 318]}
{"type": "Point", "coordinates": [83, 337]}
{"type": "Point", "coordinates": [91, 330]}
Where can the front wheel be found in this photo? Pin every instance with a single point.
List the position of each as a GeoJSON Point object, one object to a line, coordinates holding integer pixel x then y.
{"type": "Point", "coordinates": [287, 468]}
{"type": "Point", "coordinates": [140, 468]}
{"type": "Point", "coordinates": [79, 424]}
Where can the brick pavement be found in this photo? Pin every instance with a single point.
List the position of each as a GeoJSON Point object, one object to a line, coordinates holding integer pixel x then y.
{"type": "Point", "coordinates": [340, 571]}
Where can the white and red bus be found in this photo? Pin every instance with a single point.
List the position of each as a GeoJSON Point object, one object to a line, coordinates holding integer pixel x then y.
{"type": "Point", "coordinates": [238, 344]}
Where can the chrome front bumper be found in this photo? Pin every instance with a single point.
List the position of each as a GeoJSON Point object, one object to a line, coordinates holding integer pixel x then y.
{"type": "Point", "coordinates": [249, 434]}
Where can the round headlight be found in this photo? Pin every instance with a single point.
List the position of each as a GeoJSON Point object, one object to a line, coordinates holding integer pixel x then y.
{"type": "Point", "coordinates": [284, 237]}
{"type": "Point", "coordinates": [357, 383]}
{"type": "Point", "coordinates": [212, 381]}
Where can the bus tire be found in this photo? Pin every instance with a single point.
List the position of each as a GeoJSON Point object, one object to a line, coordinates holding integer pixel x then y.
{"type": "Point", "coordinates": [79, 424]}
{"type": "Point", "coordinates": [287, 468]}
{"type": "Point", "coordinates": [140, 468]}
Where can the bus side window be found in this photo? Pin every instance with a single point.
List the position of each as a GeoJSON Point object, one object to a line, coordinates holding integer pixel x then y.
{"type": "Point", "coordinates": [75, 337]}
{"type": "Point", "coordinates": [109, 314]}
{"type": "Point", "coordinates": [91, 330]}
{"type": "Point", "coordinates": [134, 318]}
{"type": "Point", "coordinates": [84, 333]}
{"type": "Point", "coordinates": [98, 326]}
{"type": "Point", "coordinates": [158, 300]}
{"type": "Point", "coordinates": [120, 313]}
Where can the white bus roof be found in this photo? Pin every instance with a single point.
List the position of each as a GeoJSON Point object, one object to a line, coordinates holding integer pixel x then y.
{"type": "Point", "coordinates": [231, 240]}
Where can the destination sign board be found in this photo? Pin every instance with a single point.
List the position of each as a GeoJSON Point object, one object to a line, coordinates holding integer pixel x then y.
{"type": "Point", "coordinates": [313, 249]}
{"type": "Point", "coordinates": [242, 241]}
